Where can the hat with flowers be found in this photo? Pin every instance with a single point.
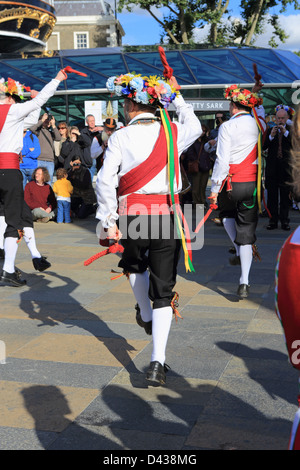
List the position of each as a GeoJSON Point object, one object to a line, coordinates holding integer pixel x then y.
{"type": "Point", "coordinates": [13, 88]}
{"type": "Point", "coordinates": [152, 91]}
{"type": "Point", "coordinates": [243, 96]}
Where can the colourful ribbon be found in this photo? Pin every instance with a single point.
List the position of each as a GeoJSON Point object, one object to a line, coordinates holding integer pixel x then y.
{"type": "Point", "coordinates": [259, 156]}
{"type": "Point", "coordinates": [173, 172]}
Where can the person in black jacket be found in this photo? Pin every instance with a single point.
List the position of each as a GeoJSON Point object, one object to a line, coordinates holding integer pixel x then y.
{"type": "Point", "coordinates": [83, 199]}
{"type": "Point", "coordinates": [89, 132]}
{"type": "Point", "coordinates": [277, 174]}
{"type": "Point", "coordinates": [73, 146]}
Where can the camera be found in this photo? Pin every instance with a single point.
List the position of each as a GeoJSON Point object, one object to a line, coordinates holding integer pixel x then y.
{"type": "Point", "coordinates": [50, 117]}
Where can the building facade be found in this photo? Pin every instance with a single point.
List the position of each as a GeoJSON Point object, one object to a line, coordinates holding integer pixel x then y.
{"type": "Point", "coordinates": [84, 24]}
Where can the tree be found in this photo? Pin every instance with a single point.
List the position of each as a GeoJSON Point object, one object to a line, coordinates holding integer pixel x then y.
{"type": "Point", "coordinates": [183, 17]}
{"type": "Point", "coordinates": [186, 15]}
{"type": "Point", "coordinates": [256, 13]}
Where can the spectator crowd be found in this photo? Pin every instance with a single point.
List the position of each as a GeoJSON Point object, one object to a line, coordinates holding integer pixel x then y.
{"type": "Point", "coordinates": [58, 164]}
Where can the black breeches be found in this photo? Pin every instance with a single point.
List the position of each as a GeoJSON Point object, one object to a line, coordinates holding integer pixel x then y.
{"type": "Point", "coordinates": [241, 204]}
{"type": "Point", "coordinates": [151, 242]}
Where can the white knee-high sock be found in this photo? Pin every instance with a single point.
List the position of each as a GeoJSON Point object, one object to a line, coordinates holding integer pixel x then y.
{"type": "Point", "coordinates": [140, 285]}
{"type": "Point", "coordinates": [161, 324]}
{"type": "Point", "coordinates": [246, 261]}
{"type": "Point", "coordinates": [3, 226]}
{"type": "Point", "coordinates": [229, 225]}
{"type": "Point", "coordinates": [10, 251]}
{"type": "Point", "coordinates": [29, 238]}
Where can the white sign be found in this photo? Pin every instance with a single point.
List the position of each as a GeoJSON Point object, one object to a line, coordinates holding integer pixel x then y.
{"type": "Point", "coordinates": [94, 108]}
{"type": "Point", "coordinates": [101, 110]}
{"type": "Point", "coordinates": [212, 106]}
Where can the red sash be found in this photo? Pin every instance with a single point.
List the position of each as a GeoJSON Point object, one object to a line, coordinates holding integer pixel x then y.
{"type": "Point", "coordinates": [148, 169]}
{"type": "Point", "coordinates": [243, 172]}
{"type": "Point", "coordinates": [4, 111]}
{"type": "Point", "coordinates": [8, 160]}
{"type": "Point", "coordinates": [147, 204]}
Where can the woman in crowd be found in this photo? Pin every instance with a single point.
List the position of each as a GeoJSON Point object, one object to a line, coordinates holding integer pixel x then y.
{"type": "Point", "coordinates": [73, 147]}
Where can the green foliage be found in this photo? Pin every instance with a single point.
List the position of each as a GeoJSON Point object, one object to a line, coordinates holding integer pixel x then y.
{"type": "Point", "coordinates": [185, 15]}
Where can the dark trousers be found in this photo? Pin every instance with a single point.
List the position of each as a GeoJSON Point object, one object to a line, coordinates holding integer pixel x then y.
{"type": "Point", "coordinates": [12, 195]}
{"type": "Point", "coordinates": [241, 204]}
{"type": "Point", "coordinates": [157, 249]}
{"type": "Point", "coordinates": [80, 209]}
{"type": "Point", "coordinates": [282, 191]}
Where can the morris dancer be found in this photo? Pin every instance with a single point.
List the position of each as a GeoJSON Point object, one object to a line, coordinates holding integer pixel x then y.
{"type": "Point", "coordinates": [235, 175]}
{"type": "Point", "coordinates": [286, 283]}
{"type": "Point", "coordinates": [136, 164]}
{"type": "Point", "coordinates": [12, 116]}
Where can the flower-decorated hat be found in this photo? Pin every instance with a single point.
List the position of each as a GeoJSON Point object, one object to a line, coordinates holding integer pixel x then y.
{"type": "Point", "coordinates": [152, 91]}
{"type": "Point", "coordinates": [242, 96]}
{"type": "Point", "coordinates": [13, 88]}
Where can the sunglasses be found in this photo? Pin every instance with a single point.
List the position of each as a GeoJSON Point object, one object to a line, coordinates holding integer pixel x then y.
{"type": "Point", "coordinates": [62, 128]}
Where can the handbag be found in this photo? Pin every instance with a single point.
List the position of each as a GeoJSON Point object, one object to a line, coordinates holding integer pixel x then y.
{"type": "Point", "coordinates": [205, 162]}
{"type": "Point", "coordinates": [193, 166]}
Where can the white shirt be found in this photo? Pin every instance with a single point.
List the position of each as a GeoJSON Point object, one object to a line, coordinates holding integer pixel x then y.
{"type": "Point", "coordinates": [23, 115]}
{"type": "Point", "coordinates": [130, 146]}
{"type": "Point", "coordinates": [236, 139]}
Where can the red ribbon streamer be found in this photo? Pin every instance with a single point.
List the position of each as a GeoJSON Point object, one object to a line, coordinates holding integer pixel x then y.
{"type": "Point", "coordinates": [168, 71]}
{"type": "Point", "coordinates": [257, 76]}
{"type": "Point", "coordinates": [69, 69]}
{"type": "Point", "coordinates": [115, 248]}
{"type": "Point", "coordinates": [212, 207]}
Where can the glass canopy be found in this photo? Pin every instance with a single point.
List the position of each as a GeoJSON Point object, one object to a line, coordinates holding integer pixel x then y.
{"type": "Point", "coordinates": [203, 73]}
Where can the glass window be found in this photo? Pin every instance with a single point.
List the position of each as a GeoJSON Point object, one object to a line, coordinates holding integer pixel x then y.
{"type": "Point", "coordinates": [81, 40]}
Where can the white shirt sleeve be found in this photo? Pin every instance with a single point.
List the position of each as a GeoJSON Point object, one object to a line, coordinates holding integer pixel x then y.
{"type": "Point", "coordinates": [107, 183]}
{"type": "Point", "coordinates": [96, 148]}
{"type": "Point", "coordinates": [221, 166]}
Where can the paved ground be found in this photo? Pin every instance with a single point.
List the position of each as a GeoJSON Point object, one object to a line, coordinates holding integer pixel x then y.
{"type": "Point", "coordinates": [76, 360]}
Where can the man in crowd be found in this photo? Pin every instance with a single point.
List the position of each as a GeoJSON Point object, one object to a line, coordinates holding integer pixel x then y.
{"type": "Point", "coordinates": [278, 145]}
{"type": "Point", "coordinates": [88, 133]}
{"type": "Point", "coordinates": [30, 152]}
{"type": "Point", "coordinates": [100, 142]}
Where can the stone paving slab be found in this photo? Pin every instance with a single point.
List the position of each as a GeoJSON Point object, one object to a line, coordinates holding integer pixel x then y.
{"type": "Point", "coordinates": [74, 376]}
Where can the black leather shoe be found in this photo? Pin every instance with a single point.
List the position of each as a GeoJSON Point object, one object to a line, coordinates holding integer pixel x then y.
{"type": "Point", "coordinates": [147, 325]}
{"type": "Point", "coordinates": [235, 260]}
{"type": "Point", "coordinates": [41, 264]}
{"type": "Point", "coordinates": [157, 373]}
{"type": "Point", "coordinates": [285, 226]}
{"type": "Point", "coordinates": [243, 291]}
{"type": "Point", "coordinates": [12, 279]}
{"type": "Point", "coordinates": [272, 226]}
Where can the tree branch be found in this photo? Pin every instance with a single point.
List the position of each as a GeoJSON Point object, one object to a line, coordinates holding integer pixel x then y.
{"type": "Point", "coordinates": [163, 25]}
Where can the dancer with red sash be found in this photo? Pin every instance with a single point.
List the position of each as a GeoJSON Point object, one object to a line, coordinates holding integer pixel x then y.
{"type": "Point", "coordinates": [287, 294]}
{"type": "Point", "coordinates": [12, 115]}
{"type": "Point", "coordinates": [236, 175]}
{"type": "Point", "coordinates": [138, 186]}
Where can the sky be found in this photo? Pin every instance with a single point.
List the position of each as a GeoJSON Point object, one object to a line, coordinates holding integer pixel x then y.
{"type": "Point", "coordinates": [141, 29]}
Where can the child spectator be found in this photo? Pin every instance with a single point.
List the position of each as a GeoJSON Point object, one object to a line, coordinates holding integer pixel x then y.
{"type": "Point", "coordinates": [63, 190]}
